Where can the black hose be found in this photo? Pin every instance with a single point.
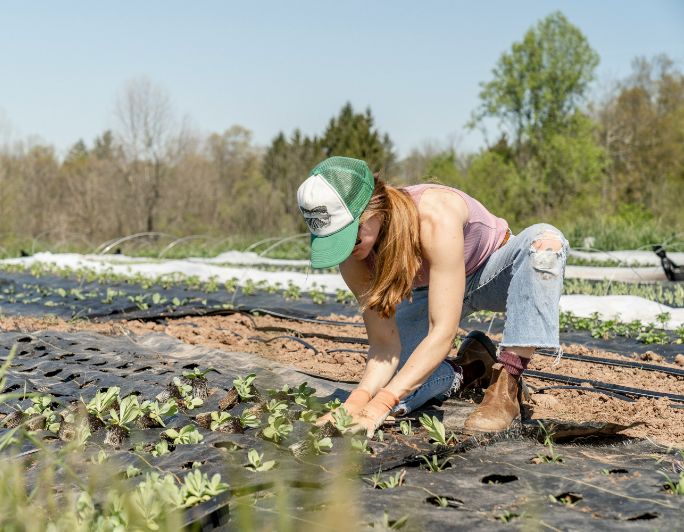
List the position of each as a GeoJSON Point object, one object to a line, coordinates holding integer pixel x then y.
{"type": "Point", "coordinates": [637, 392]}
{"type": "Point", "coordinates": [619, 363]}
{"type": "Point", "coordinates": [307, 320]}
{"type": "Point", "coordinates": [586, 389]}
{"type": "Point", "coordinates": [288, 337]}
{"type": "Point", "coordinates": [358, 351]}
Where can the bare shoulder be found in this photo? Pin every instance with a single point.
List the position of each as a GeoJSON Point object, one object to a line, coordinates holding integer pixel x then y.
{"type": "Point", "coordinates": [442, 208]}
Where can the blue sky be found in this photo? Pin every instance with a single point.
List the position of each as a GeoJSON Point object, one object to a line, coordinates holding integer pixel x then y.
{"type": "Point", "coordinates": [278, 65]}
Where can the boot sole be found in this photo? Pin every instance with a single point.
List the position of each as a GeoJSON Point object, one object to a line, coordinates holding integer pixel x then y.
{"type": "Point", "coordinates": [514, 428]}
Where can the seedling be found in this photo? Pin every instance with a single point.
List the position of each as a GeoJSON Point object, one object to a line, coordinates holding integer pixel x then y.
{"type": "Point", "coordinates": [435, 430]}
{"type": "Point", "coordinates": [292, 291]}
{"type": "Point", "coordinates": [249, 420]}
{"type": "Point", "coordinates": [361, 446]}
{"type": "Point", "coordinates": [185, 393]}
{"type": "Point", "coordinates": [198, 488]}
{"type": "Point", "coordinates": [160, 448]}
{"type": "Point", "coordinates": [218, 419]}
{"type": "Point", "coordinates": [278, 429]}
{"type": "Point", "coordinates": [508, 516]}
{"type": "Point", "coordinates": [433, 463]}
{"type": "Point", "coordinates": [313, 444]}
{"type": "Point", "coordinates": [256, 462]}
{"type": "Point", "coordinates": [276, 407]}
{"type": "Point", "coordinates": [342, 420]}
{"type": "Point", "coordinates": [132, 471]}
{"type": "Point", "coordinates": [674, 486]}
{"type": "Point", "coordinates": [248, 288]}
{"type": "Point", "coordinates": [390, 482]}
{"type": "Point", "coordinates": [231, 284]}
{"type": "Point", "coordinates": [158, 299]}
{"type": "Point", "coordinates": [100, 458]}
{"type": "Point", "coordinates": [388, 524]}
{"type": "Point", "coordinates": [406, 428]}
{"type": "Point", "coordinates": [120, 421]}
{"type": "Point", "coordinates": [552, 456]}
{"type": "Point", "coordinates": [99, 405]}
{"type": "Point", "coordinates": [244, 386]}
{"type": "Point", "coordinates": [322, 445]}
{"type": "Point", "coordinates": [344, 296]}
{"type": "Point", "coordinates": [331, 405]}
{"type": "Point", "coordinates": [302, 394]}
{"type": "Point", "coordinates": [318, 295]}
{"type": "Point", "coordinates": [156, 412]}
{"type": "Point", "coordinates": [41, 415]}
{"type": "Point", "coordinates": [308, 416]}
{"type": "Point", "coordinates": [185, 436]}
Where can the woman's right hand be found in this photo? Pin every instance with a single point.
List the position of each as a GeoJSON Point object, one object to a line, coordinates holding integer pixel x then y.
{"type": "Point", "coordinates": [357, 399]}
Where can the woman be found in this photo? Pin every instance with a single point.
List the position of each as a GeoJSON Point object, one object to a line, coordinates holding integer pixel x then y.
{"type": "Point", "coordinates": [390, 244]}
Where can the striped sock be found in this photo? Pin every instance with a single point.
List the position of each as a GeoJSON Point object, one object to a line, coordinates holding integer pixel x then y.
{"type": "Point", "coordinates": [513, 364]}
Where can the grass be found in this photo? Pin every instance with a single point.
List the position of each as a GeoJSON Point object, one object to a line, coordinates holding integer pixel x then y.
{"type": "Point", "coordinates": [667, 294]}
{"type": "Point", "coordinates": [631, 231]}
{"type": "Point", "coordinates": [154, 246]}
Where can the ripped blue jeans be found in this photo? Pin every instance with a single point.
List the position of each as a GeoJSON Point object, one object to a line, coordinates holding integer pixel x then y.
{"type": "Point", "coordinates": [523, 278]}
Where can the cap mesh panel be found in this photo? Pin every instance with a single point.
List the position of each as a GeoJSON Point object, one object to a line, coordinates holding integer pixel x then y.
{"type": "Point", "coordinates": [351, 178]}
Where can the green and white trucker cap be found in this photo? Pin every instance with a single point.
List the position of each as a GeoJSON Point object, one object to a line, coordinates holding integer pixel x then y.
{"type": "Point", "coordinates": [332, 200]}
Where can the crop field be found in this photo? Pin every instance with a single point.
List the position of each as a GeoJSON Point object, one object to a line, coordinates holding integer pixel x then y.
{"type": "Point", "coordinates": [131, 402]}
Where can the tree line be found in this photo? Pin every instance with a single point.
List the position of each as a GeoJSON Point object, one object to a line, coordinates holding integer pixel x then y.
{"type": "Point", "coordinates": [614, 162]}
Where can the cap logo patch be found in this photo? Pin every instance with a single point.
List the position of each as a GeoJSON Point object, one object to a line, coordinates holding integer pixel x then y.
{"type": "Point", "coordinates": [316, 218]}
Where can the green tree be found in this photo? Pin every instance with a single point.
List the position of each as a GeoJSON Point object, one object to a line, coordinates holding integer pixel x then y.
{"type": "Point", "coordinates": [351, 134]}
{"type": "Point", "coordinates": [640, 126]}
{"type": "Point", "coordinates": [444, 168]}
{"type": "Point", "coordinates": [537, 86]}
{"type": "Point", "coordinates": [535, 95]}
{"type": "Point", "coordinates": [286, 164]}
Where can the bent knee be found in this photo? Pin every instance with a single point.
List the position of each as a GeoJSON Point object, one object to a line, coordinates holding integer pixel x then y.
{"type": "Point", "coordinates": [548, 250]}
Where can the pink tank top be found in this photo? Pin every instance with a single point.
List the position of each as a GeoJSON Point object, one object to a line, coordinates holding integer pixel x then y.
{"type": "Point", "coordinates": [482, 233]}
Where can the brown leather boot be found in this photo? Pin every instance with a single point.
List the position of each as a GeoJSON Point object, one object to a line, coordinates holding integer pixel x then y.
{"type": "Point", "coordinates": [500, 406]}
{"type": "Point", "coordinates": [476, 356]}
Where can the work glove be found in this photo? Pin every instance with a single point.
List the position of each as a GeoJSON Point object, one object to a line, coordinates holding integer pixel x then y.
{"type": "Point", "coordinates": [372, 416]}
{"type": "Point", "coordinates": [355, 402]}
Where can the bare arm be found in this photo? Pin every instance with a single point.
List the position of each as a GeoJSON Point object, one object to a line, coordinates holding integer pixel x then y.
{"type": "Point", "coordinates": [441, 235]}
{"type": "Point", "coordinates": [383, 335]}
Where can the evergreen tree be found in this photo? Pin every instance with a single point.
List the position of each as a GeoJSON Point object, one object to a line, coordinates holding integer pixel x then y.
{"type": "Point", "coordinates": [351, 134]}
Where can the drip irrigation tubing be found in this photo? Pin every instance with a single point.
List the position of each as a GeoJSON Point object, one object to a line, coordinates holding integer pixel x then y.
{"type": "Point", "coordinates": [621, 363]}
{"type": "Point", "coordinates": [357, 351]}
{"type": "Point", "coordinates": [322, 336]}
{"type": "Point", "coordinates": [306, 320]}
{"type": "Point", "coordinates": [586, 389]}
{"type": "Point", "coordinates": [616, 388]}
{"type": "Point", "coordinates": [287, 337]}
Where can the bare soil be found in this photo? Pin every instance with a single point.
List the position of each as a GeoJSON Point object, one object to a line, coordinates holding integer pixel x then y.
{"type": "Point", "coordinates": [316, 351]}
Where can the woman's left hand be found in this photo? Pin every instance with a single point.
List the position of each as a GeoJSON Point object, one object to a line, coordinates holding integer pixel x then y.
{"type": "Point", "coordinates": [372, 416]}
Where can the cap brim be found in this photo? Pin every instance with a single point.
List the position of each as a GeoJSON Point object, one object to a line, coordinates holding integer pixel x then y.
{"type": "Point", "coordinates": [331, 250]}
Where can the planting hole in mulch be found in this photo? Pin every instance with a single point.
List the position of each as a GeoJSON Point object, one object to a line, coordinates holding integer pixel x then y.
{"type": "Point", "coordinates": [568, 498]}
{"type": "Point", "coordinates": [646, 516]}
{"type": "Point", "coordinates": [227, 445]}
{"type": "Point", "coordinates": [498, 479]}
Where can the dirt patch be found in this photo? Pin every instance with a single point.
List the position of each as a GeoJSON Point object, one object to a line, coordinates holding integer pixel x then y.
{"type": "Point", "coordinates": [652, 418]}
{"type": "Point", "coordinates": [332, 351]}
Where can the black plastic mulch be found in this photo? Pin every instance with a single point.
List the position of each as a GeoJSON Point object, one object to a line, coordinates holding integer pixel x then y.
{"type": "Point", "coordinates": [600, 484]}
{"type": "Point", "coordinates": [27, 295]}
